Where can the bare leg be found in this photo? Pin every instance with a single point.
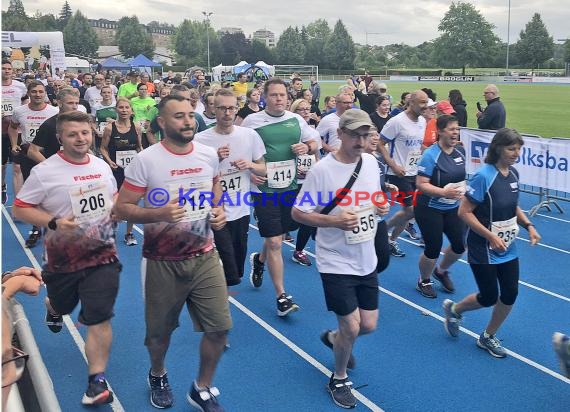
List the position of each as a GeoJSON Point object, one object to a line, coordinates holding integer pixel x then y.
{"type": "Point", "coordinates": [211, 349]}
{"type": "Point", "coordinates": [98, 346]}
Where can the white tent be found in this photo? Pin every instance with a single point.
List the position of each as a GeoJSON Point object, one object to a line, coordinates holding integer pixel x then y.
{"type": "Point", "coordinates": [217, 72]}
{"type": "Point", "coordinates": [271, 69]}
{"type": "Point", "coordinates": [54, 40]}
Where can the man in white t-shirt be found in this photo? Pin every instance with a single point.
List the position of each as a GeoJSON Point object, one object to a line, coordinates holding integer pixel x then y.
{"type": "Point", "coordinates": [346, 256]}
{"type": "Point", "coordinates": [241, 152]}
{"type": "Point", "coordinates": [404, 134]}
{"type": "Point", "coordinates": [71, 194]}
{"type": "Point", "coordinates": [328, 126]}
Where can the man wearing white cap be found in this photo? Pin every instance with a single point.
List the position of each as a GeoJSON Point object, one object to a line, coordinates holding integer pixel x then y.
{"type": "Point", "coordinates": [346, 256]}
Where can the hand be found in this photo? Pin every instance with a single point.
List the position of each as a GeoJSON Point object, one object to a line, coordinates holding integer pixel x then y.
{"type": "Point", "coordinates": [257, 180]}
{"type": "Point", "coordinates": [243, 164]}
{"type": "Point", "coordinates": [478, 114]}
{"type": "Point", "coordinates": [300, 149]}
{"type": "Point", "coordinates": [24, 271]}
{"type": "Point", "coordinates": [533, 235]}
{"type": "Point", "coordinates": [497, 244]}
{"type": "Point", "coordinates": [172, 212]}
{"type": "Point", "coordinates": [16, 149]}
{"type": "Point", "coordinates": [452, 192]}
{"type": "Point", "coordinates": [399, 170]}
{"type": "Point", "coordinates": [114, 165]}
{"type": "Point", "coordinates": [223, 152]}
{"type": "Point", "coordinates": [392, 188]}
{"type": "Point", "coordinates": [346, 220]}
{"type": "Point", "coordinates": [217, 218]}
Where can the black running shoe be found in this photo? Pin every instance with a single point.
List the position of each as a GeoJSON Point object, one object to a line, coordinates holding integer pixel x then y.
{"type": "Point", "coordinates": [35, 235]}
{"type": "Point", "coordinates": [97, 393]}
{"type": "Point", "coordinates": [256, 272]}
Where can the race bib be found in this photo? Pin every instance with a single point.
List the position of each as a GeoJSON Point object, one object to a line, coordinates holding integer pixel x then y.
{"type": "Point", "coordinates": [412, 161]}
{"type": "Point", "coordinates": [197, 203]}
{"type": "Point", "coordinates": [31, 132]}
{"type": "Point", "coordinates": [458, 185]}
{"type": "Point", "coordinates": [102, 126]}
{"type": "Point", "coordinates": [305, 162]}
{"type": "Point", "coordinates": [125, 157]}
{"type": "Point", "coordinates": [280, 174]}
{"type": "Point", "coordinates": [366, 229]}
{"type": "Point", "coordinates": [507, 230]}
{"type": "Point", "coordinates": [233, 182]}
{"type": "Point", "coordinates": [8, 105]}
{"type": "Point", "coordinates": [90, 202]}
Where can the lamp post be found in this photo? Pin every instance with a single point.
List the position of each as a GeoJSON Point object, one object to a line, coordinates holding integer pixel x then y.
{"type": "Point", "coordinates": [207, 15]}
{"type": "Point", "coordinates": [508, 38]}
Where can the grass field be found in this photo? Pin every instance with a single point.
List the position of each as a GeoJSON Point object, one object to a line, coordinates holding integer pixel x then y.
{"type": "Point", "coordinates": [543, 110]}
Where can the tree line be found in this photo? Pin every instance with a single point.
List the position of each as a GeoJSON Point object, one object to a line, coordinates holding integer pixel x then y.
{"type": "Point", "coordinates": [466, 40]}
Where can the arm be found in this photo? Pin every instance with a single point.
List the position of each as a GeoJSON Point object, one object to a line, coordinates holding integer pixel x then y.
{"type": "Point", "coordinates": [398, 170]}
{"type": "Point", "coordinates": [423, 184]}
{"type": "Point", "coordinates": [105, 147]}
{"type": "Point", "coordinates": [257, 167]}
{"type": "Point", "coordinates": [345, 220]}
{"type": "Point", "coordinates": [24, 279]}
{"type": "Point", "coordinates": [139, 137]}
{"type": "Point", "coordinates": [466, 214]}
{"type": "Point", "coordinates": [34, 153]}
{"type": "Point", "coordinates": [39, 217]}
{"type": "Point", "coordinates": [523, 220]}
{"type": "Point", "coordinates": [13, 135]}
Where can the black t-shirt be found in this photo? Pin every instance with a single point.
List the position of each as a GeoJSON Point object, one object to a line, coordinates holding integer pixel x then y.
{"type": "Point", "coordinates": [246, 111]}
{"type": "Point", "coordinates": [379, 121]}
{"type": "Point", "coordinates": [47, 137]}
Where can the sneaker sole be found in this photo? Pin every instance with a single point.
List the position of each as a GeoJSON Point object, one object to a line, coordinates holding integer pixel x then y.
{"type": "Point", "coordinates": [479, 344]}
{"type": "Point", "coordinates": [300, 262]}
{"type": "Point", "coordinates": [150, 398]}
{"type": "Point", "coordinates": [425, 295]}
{"type": "Point", "coordinates": [99, 399]}
{"type": "Point", "coordinates": [293, 308]}
{"type": "Point", "coordinates": [338, 403]}
{"type": "Point", "coordinates": [251, 261]}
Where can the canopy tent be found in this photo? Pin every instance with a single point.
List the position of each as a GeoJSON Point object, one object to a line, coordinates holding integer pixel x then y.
{"type": "Point", "coordinates": [270, 68]}
{"type": "Point", "coordinates": [255, 72]}
{"type": "Point", "coordinates": [142, 63]}
{"type": "Point", "coordinates": [113, 64]}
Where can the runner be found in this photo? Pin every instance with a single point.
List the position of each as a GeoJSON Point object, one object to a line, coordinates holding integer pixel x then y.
{"type": "Point", "coordinates": [72, 194]}
{"type": "Point", "coordinates": [490, 209]}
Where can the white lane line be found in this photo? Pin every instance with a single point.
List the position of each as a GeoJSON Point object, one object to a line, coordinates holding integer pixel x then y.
{"type": "Point", "coordinates": [78, 339]}
{"type": "Point", "coordinates": [551, 217]}
{"type": "Point", "coordinates": [315, 363]}
{"type": "Point", "coordinates": [467, 331]}
{"type": "Point", "coordinates": [530, 285]}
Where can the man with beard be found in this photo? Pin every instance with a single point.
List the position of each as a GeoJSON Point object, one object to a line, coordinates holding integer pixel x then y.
{"type": "Point", "coordinates": [178, 179]}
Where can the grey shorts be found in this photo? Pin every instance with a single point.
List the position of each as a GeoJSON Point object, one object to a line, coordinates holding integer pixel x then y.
{"type": "Point", "coordinates": [198, 282]}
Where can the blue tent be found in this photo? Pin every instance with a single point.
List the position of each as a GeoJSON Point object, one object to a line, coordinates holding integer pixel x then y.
{"type": "Point", "coordinates": [142, 61]}
{"type": "Point", "coordinates": [113, 64]}
{"type": "Point", "coordinates": [253, 71]}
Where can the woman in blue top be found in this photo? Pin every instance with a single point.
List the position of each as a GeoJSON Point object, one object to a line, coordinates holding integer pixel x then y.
{"type": "Point", "coordinates": [441, 184]}
{"type": "Point", "coordinates": [490, 209]}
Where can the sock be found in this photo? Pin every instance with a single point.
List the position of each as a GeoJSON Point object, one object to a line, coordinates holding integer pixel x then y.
{"type": "Point", "coordinates": [155, 376]}
{"type": "Point", "coordinates": [97, 377]}
{"type": "Point", "coordinates": [453, 310]}
{"type": "Point", "coordinates": [486, 335]}
{"type": "Point", "coordinates": [199, 388]}
{"type": "Point", "coordinates": [335, 376]}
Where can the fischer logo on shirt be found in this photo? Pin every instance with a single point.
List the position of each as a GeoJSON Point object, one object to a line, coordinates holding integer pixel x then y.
{"type": "Point", "coordinates": [187, 171]}
{"type": "Point", "coordinates": [87, 177]}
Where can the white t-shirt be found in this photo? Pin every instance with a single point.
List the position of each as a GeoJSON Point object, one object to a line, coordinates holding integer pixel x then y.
{"type": "Point", "coordinates": [83, 190]}
{"type": "Point", "coordinates": [327, 128]}
{"type": "Point", "coordinates": [161, 175]}
{"type": "Point", "coordinates": [245, 144]}
{"type": "Point", "coordinates": [336, 251]}
{"type": "Point", "coordinates": [30, 120]}
{"type": "Point", "coordinates": [12, 97]}
{"type": "Point", "coordinates": [405, 139]}
{"type": "Point", "coordinates": [93, 97]}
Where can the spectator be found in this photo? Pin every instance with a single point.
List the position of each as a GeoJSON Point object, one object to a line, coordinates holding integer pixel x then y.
{"type": "Point", "coordinates": [494, 116]}
{"type": "Point", "coordinates": [459, 106]}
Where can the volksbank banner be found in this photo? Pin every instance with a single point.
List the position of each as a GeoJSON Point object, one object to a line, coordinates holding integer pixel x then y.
{"type": "Point", "coordinates": [542, 162]}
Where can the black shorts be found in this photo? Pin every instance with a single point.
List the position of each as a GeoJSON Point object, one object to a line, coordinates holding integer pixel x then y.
{"type": "Point", "coordinates": [95, 287]}
{"type": "Point", "coordinates": [406, 190]}
{"type": "Point", "coordinates": [273, 212]}
{"type": "Point", "coordinates": [433, 223]}
{"type": "Point", "coordinates": [119, 174]}
{"type": "Point", "coordinates": [6, 149]}
{"type": "Point", "coordinates": [345, 293]}
{"type": "Point", "coordinates": [231, 242]}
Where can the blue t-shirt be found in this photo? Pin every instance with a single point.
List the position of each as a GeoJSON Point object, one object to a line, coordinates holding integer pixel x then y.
{"type": "Point", "coordinates": [497, 198]}
{"type": "Point", "coordinates": [442, 169]}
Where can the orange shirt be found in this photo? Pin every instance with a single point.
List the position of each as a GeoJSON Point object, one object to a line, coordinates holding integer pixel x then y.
{"type": "Point", "coordinates": [430, 135]}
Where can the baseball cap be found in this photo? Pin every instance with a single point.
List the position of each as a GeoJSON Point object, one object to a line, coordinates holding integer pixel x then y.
{"type": "Point", "coordinates": [383, 86]}
{"type": "Point", "coordinates": [431, 103]}
{"type": "Point", "coordinates": [445, 107]}
{"type": "Point", "coordinates": [133, 73]}
{"type": "Point", "coordinates": [352, 119]}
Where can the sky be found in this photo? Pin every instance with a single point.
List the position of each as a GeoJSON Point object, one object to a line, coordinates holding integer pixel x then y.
{"type": "Point", "coordinates": [411, 22]}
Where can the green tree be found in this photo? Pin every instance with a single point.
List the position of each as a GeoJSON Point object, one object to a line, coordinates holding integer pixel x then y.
{"type": "Point", "coordinates": [191, 44]}
{"type": "Point", "coordinates": [15, 18]}
{"type": "Point", "coordinates": [339, 48]}
{"type": "Point", "coordinates": [79, 37]}
{"type": "Point", "coordinates": [466, 39]}
{"type": "Point", "coordinates": [64, 15]}
{"type": "Point", "coordinates": [44, 22]}
{"type": "Point", "coordinates": [235, 47]}
{"type": "Point", "coordinates": [259, 51]}
{"type": "Point", "coordinates": [290, 48]}
{"type": "Point", "coordinates": [535, 46]}
{"type": "Point", "coordinates": [133, 38]}
{"type": "Point", "coordinates": [567, 50]}
{"type": "Point", "coordinates": [317, 33]}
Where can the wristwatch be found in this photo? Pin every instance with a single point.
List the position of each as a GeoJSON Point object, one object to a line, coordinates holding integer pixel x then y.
{"type": "Point", "coordinates": [52, 224]}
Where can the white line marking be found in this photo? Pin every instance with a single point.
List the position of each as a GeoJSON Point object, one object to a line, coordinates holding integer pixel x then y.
{"type": "Point", "coordinates": [364, 400]}
{"type": "Point", "coordinates": [79, 342]}
{"type": "Point", "coordinates": [467, 331]}
{"type": "Point", "coordinates": [551, 217]}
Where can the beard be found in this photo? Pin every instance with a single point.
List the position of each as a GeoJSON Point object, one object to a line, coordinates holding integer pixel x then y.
{"type": "Point", "coordinates": [178, 136]}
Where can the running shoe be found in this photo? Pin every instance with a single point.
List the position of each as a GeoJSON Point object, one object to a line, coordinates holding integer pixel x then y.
{"type": "Point", "coordinates": [34, 236]}
{"type": "Point", "coordinates": [285, 305]}
{"type": "Point", "coordinates": [54, 322]}
{"type": "Point", "coordinates": [444, 279]}
{"type": "Point", "coordinates": [288, 238]}
{"type": "Point", "coordinates": [130, 240]}
{"type": "Point", "coordinates": [325, 338]}
{"type": "Point", "coordinates": [256, 272]}
{"type": "Point", "coordinates": [205, 400]}
{"type": "Point", "coordinates": [301, 258]}
{"type": "Point", "coordinates": [561, 345]}
{"type": "Point", "coordinates": [492, 345]}
{"type": "Point", "coordinates": [341, 392]}
{"type": "Point", "coordinates": [412, 232]}
{"type": "Point", "coordinates": [97, 392]}
{"type": "Point", "coordinates": [452, 319]}
{"type": "Point", "coordinates": [395, 249]}
{"type": "Point", "coordinates": [425, 287]}
{"type": "Point", "coordinates": [160, 392]}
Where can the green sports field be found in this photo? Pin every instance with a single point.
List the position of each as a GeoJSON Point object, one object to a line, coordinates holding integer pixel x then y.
{"type": "Point", "coordinates": [543, 110]}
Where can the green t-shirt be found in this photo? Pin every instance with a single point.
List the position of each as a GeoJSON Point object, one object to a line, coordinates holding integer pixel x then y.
{"type": "Point", "coordinates": [126, 89]}
{"type": "Point", "coordinates": [142, 108]}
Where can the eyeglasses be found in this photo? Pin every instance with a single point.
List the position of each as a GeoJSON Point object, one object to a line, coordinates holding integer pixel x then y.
{"type": "Point", "coordinates": [224, 109]}
{"type": "Point", "coordinates": [19, 361]}
{"type": "Point", "coordinates": [303, 109]}
{"type": "Point", "coordinates": [355, 135]}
